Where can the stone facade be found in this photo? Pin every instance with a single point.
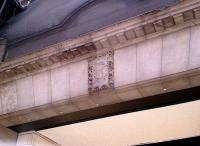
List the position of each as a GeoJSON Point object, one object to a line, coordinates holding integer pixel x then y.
{"type": "Point", "coordinates": [135, 62]}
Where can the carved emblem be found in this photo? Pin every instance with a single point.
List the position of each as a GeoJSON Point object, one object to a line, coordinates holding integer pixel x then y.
{"type": "Point", "coordinates": [100, 72]}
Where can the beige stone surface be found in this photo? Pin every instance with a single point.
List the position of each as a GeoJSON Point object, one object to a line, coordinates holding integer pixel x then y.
{"type": "Point", "coordinates": [194, 48]}
{"type": "Point", "coordinates": [106, 98]}
{"type": "Point", "coordinates": [5, 122]}
{"type": "Point", "coordinates": [195, 80]}
{"type": "Point", "coordinates": [176, 84]}
{"type": "Point", "coordinates": [66, 107]}
{"type": "Point", "coordinates": [151, 89]}
{"type": "Point", "coordinates": [83, 103]}
{"type": "Point", "coordinates": [129, 94]}
{"type": "Point", "coordinates": [8, 97]}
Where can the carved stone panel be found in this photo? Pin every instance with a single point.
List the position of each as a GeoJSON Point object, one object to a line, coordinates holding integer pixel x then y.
{"type": "Point", "coordinates": [101, 72]}
{"type": "Point", "coordinates": [8, 97]}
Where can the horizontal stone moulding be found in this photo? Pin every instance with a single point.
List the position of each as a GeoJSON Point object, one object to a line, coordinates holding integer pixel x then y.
{"type": "Point", "coordinates": [45, 62]}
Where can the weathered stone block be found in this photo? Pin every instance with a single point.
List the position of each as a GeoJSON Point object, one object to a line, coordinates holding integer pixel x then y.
{"type": "Point", "coordinates": [42, 88]}
{"type": "Point", "coordinates": [60, 83]}
{"type": "Point", "coordinates": [8, 95]}
{"type": "Point", "coordinates": [125, 66]}
{"type": "Point", "coordinates": [79, 78]}
{"type": "Point", "coordinates": [25, 93]}
{"type": "Point", "coordinates": [194, 58]}
{"type": "Point", "coordinates": [149, 59]}
{"type": "Point", "coordinates": [175, 52]}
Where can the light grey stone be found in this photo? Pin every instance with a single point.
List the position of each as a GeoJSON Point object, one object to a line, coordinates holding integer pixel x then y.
{"type": "Point", "coordinates": [8, 97]}
{"type": "Point", "coordinates": [125, 66]}
{"type": "Point", "coordinates": [151, 89]}
{"type": "Point", "coordinates": [42, 89]}
{"type": "Point", "coordinates": [129, 94]}
{"type": "Point", "coordinates": [175, 52]}
{"type": "Point", "coordinates": [66, 107]}
{"type": "Point", "coordinates": [60, 83]}
{"type": "Point", "coordinates": [177, 84]}
{"type": "Point", "coordinates": [25, 93]}
{"type": "Point", "coordinates": [5, 122]}
{"type": "Point", "coordinates": [195, 48]}
{"type": "Point", "coordinates": [79, 78]}
{"type": "Point", "coordinates": [106, 98]}
{"type": "Point", "coordinates": [195, 80]}
{"type": "Point", "coordinates": [149, 59]}
{"type": "Point", "coordinates": [83, 103]}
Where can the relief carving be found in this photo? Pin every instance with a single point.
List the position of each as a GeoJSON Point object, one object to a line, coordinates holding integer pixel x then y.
{"type": "Point", "coordinates": [101, 72]}
{"type": "Point", "coordinates": [8, 97]}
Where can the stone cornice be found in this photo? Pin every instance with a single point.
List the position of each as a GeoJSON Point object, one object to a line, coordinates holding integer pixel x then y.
{"type": "Point", "coordinates": [180, 16]}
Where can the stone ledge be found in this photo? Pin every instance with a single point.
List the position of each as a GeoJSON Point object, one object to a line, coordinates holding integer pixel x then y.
{"type": "Point", "coordinates": [129, 92]}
